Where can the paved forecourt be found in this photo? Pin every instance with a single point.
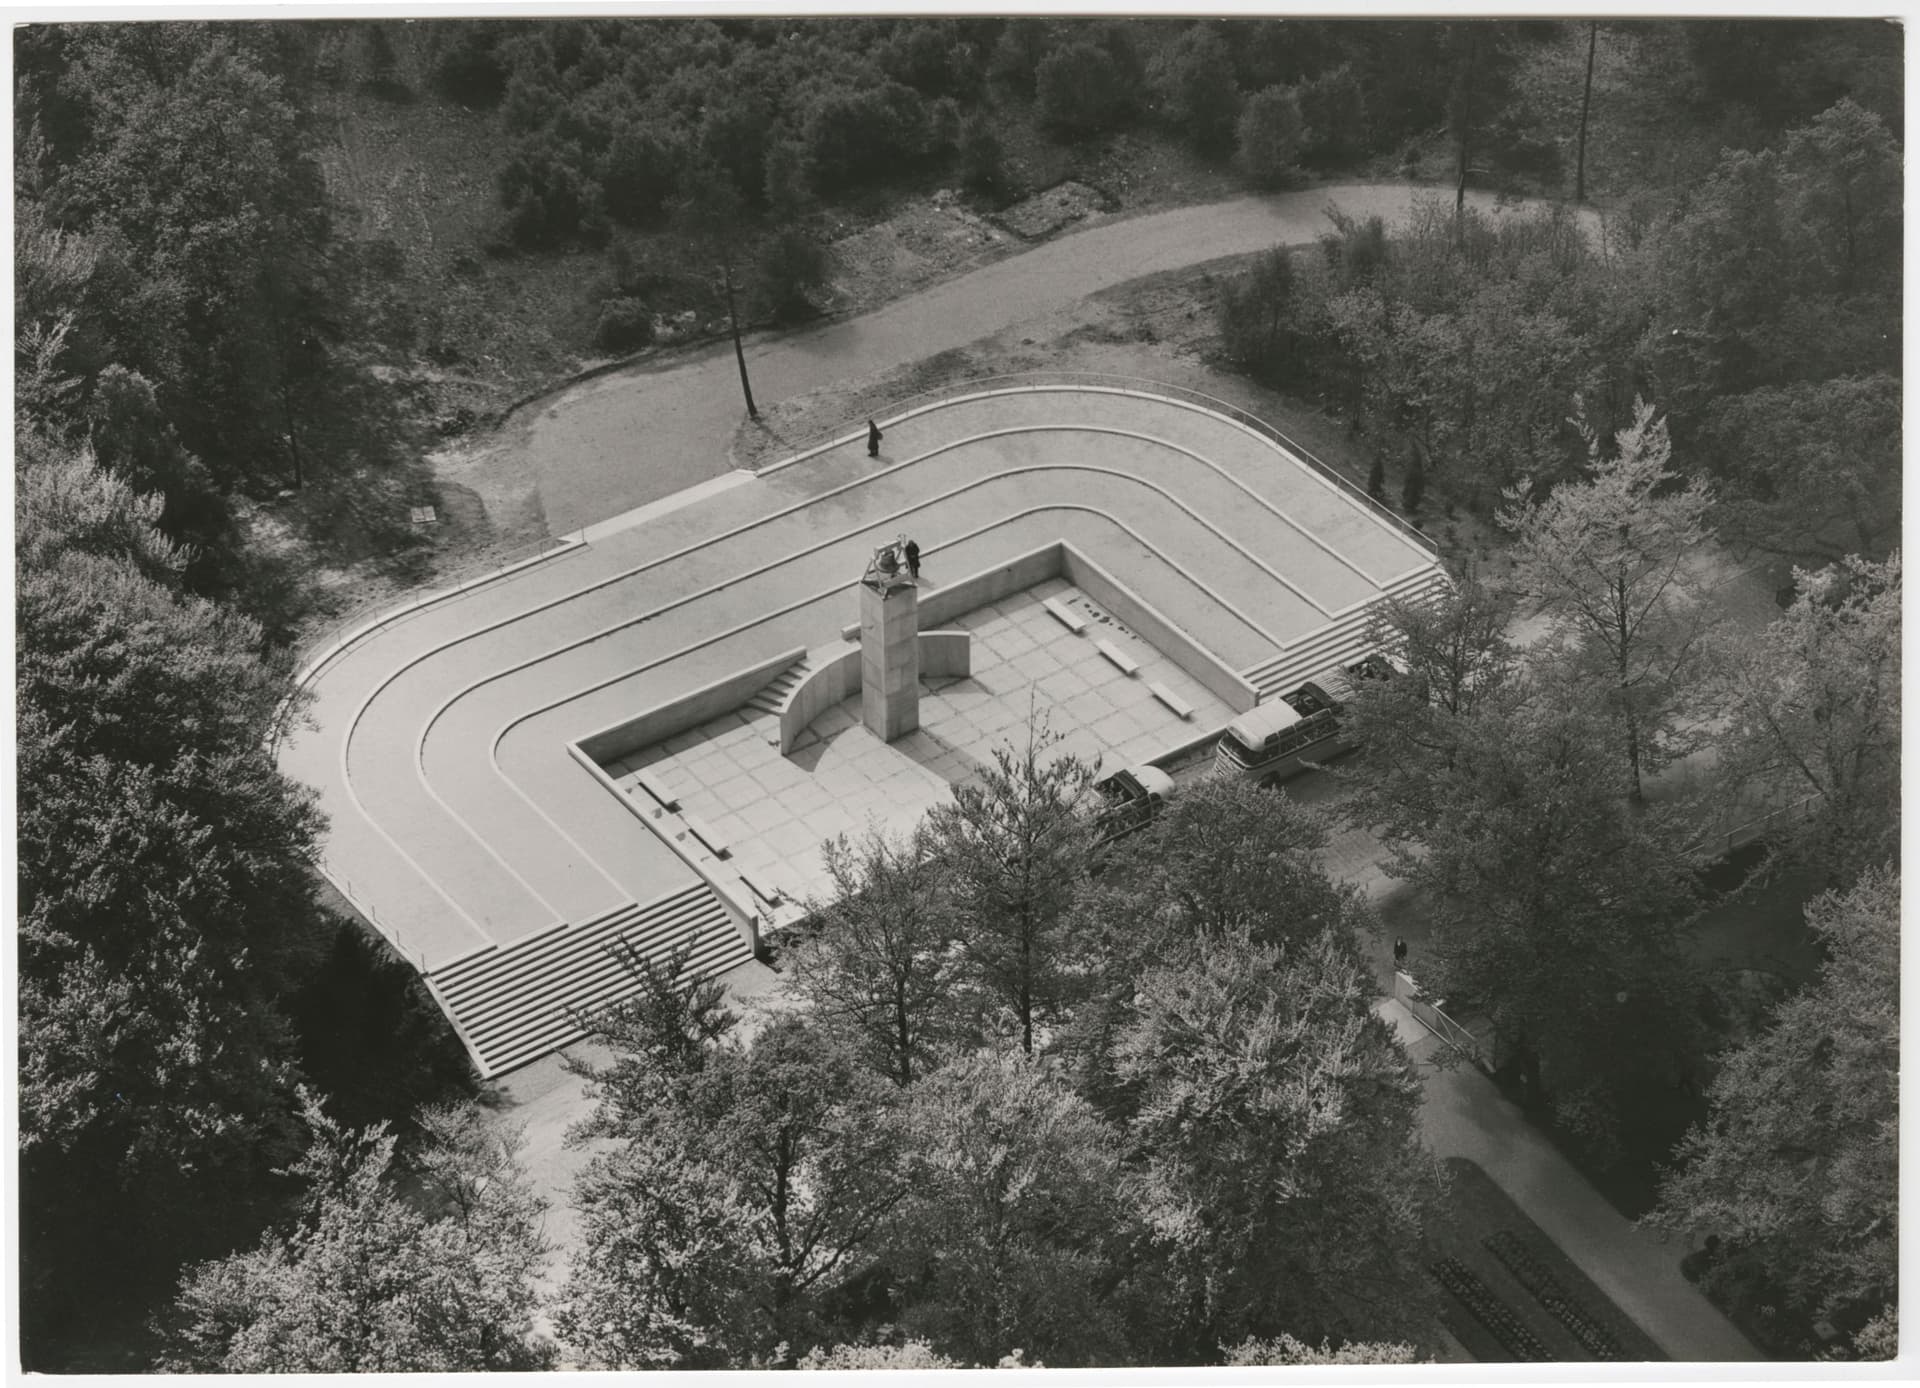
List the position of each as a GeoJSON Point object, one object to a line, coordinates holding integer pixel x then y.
{"type": "Point", "coordinates": [462, 821]}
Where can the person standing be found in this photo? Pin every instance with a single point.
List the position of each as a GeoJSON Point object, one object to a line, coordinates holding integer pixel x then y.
{"type": "Point", "coordinates": [873, 439]}
{"type": "Point", "coordinates": [1400, 954]}
{"type": "Point", "coordinates": [913, 559]}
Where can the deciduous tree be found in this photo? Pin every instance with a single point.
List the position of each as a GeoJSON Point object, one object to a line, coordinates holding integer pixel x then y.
{"type": "Point", "coordinates": [1815, 710]}
{"type": "Point", "coordinates": [747, 1191]}
{"type": "Point", "coordinates": [1796, 1167]}
{"type": "Point", "coordinates": [1282, 1172]}
{"type": "Point", "coordinates": [1010, 1236]}
{"type": "Point", "coordinates": [370, 1281]}
{"type": "Point", "coordinates": [1017, 845]}
{"type": "Point", "coordinates": [1611, 558]}
{"type": "Point", "coordinates": [882, 963]}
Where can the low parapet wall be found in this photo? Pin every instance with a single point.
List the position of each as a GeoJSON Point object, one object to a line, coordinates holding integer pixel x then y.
{"type": "Point", "coordinates": [688, 711]}
{"type": "Point", "coordinates": [836, 676]}
{"type": "Point", "coordinates": [1140, 616]}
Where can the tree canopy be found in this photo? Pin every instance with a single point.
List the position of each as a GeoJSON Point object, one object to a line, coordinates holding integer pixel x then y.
{"type": "Point", "coordinates": [1795, 1169]}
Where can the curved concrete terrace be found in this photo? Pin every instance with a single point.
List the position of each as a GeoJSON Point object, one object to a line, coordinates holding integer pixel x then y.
{"type": "Point", "coordinates": [439, 740]}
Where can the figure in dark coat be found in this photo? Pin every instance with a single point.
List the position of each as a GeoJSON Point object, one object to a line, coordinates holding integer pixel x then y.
{"type": "Point", "coordinates": [913, 559]}
{"type": "Point", "coordinates": [1399, 954]}
{"type": "Point", "coordinates": [873, 439]}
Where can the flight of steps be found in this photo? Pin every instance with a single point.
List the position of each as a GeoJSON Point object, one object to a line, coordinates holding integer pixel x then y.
{"type": "Point", "coordinates": [773, 696]}
{"type": "Point", "coordinates": [1339, 643]}
{"type": "Point", "coordinates": [516, 1004]}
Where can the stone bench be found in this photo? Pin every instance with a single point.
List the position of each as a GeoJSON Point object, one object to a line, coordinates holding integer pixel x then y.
{"type": "Point", "coordinates": [1172, 700]}
{"type": "Point", "coordinates": [1125, 663]}
{"type": "Point", "coordinates": [1065, 615]}
{"type": "Point", "coordinates": [655, 787]}
{"type": "Point", "coordinates": [702, 831]}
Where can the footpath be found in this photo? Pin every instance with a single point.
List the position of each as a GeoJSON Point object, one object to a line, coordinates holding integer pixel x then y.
{"type": "Point", "coordinates": [1465, 1115]}
{"type": "Point", "coordinates": [633, 436]}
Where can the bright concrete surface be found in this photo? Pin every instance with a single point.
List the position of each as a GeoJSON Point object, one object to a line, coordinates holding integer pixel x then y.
{"type": "Point", "coordinates": [774, 812]}
{"type": "Point", "coordinates": [1464, 1115]}
{"type": "Point", "coordinates": [631, 436]}
{"type": "Point", "coordinates": [437, 743]}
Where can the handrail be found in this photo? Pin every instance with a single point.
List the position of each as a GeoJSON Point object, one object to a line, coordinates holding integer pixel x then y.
{"type": "Point", "coordinates": [1747, 831]}
{"type": "Point", "coordinates": [316, 651]}
{"type": "Point", "coordinates": [996, 382]}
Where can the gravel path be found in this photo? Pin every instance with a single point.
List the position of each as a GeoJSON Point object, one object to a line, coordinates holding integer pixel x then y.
{"type": "Point", "coordinates": [625, 439]}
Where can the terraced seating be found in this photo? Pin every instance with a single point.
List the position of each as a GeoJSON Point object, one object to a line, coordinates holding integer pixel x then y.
{"type": "Point", "coordinates": [516, 1004]}
{"type": "Point", "coordinates": [1339, 643]}
{"type": "Point", "coordinates": [1499, 1318]}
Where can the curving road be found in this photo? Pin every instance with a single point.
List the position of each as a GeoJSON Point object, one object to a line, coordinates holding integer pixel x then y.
{"type": "Point", "coordinates": [628, 438]}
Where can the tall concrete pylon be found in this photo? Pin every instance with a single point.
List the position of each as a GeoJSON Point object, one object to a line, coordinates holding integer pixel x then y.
{"type": "Point", "coordinates": [889, 647]}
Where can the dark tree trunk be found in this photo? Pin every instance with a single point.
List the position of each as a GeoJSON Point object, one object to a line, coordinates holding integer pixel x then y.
{"type": "Point", "coordinates": [739, 354]}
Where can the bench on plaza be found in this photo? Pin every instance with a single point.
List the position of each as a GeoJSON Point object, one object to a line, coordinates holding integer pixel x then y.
{"type": "Point", "coordinates": [655, 787]}
{"type": "Point", "coordinates": [1125, 663]}
{"type": "Point", "coordinates": [1065, 615]}
{"type": "Point", "coordinates": [703, 831]}
{"type": "Point", "coordinates": [1172, 700]}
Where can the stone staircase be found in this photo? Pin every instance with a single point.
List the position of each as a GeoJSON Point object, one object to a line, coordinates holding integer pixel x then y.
{"type": "Point", "coordinates": [774, 695]}
{"type": "Point", "coordinates": [513, 1005]}
{"type": "Point", "coordinates": [1341, 642]}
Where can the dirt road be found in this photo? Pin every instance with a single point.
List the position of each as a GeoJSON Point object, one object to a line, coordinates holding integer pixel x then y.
{"type": "Point", "coordinates": [625, 439]}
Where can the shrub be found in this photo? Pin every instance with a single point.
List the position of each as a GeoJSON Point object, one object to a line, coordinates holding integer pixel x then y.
{"type": "Point", "coordinates": [1017, 54]}
{"type": "Point", "coordinates": [981, 159]}
{"type": "Point", "coordinates": [1079, 90]}
{"type": "Point", "coordinates": [640, 174]}
{"type": "Point", "coordinates": [1334, 114]}
{"type": "Point", "coordinates": [625, 325]}
{"type": "Point", "coordinates": [546, 196]}
{"type": "Point", "coordinates": [468, 69]}
{"type": "Point", "coordinates": [790, 267]}
{"type": "Point", "coordinates": [853, 137]}
{"type": "Point", "coordinates": [1192, 83]}
{"type": "Point", "coordinates": [1271, 135]}
{"type": "Point", "coordinates": [1257, 313]}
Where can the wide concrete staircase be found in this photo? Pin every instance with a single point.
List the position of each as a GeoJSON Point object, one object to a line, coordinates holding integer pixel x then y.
{"type": "Point", "coordinates": [1342, 642]}
{"type": "Point", "coordinates": [514, 1005]}
{"type": "Point", "coordinates": [773, 696]}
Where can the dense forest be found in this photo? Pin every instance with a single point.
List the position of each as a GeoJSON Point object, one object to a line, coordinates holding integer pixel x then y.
{"type": "Point", "coordinates": [248, 1140]}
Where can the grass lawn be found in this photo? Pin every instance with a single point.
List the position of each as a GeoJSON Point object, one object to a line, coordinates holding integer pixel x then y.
{"type": "Point", "coordinates": [1475, 1210]}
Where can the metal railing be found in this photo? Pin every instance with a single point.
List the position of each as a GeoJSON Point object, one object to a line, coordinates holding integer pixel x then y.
{"type": "Point", "coordinates": [343, 884]}
{"type": "Point", "coordinates": [1431, 1015]}
{"type": "Point", "coordinates": [1718, 843]}
{"type": "Point", "coordinates": [405, 603]}
{"type": "Point", "coordinates": [1136, 386]}
{"type": "Point", "coordinates": [348, 629]}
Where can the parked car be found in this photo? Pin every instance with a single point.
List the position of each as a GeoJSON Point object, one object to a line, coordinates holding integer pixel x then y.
{"type": "Point", "coordinates": [1132, 796]}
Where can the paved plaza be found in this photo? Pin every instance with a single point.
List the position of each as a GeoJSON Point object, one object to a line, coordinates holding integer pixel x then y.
{"type": "Point", "coordinates": [774, 812]}
{"type": "Point", "coordinates": [448, 741]}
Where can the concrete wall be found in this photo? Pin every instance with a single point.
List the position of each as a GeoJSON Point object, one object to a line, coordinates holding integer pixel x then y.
{"type": "Point", "coordinates": [835, 676]}
{"type": "Point", "coordinates": [689, 711]}
{"type": "Point", "coordinates": [1237, 693]}
{"type": "Point", "coordinates": [946, 654]}
{"type": "Point", "coordinates": [745, 918]}
{"type": "Point", "coordinates": [954, 600]}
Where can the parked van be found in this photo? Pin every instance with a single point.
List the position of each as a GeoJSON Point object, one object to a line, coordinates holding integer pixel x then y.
{"type": "Point", "coordinates": [1277, 739]}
